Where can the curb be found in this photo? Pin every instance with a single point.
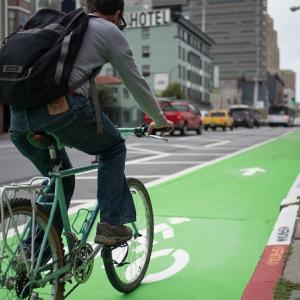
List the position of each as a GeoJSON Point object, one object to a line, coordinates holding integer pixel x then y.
{"type": "Point", "coordinates": [270, 267]}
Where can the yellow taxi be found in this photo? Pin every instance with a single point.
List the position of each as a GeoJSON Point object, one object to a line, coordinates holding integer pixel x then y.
{"type": "Point", "coordinates": [218, 118]}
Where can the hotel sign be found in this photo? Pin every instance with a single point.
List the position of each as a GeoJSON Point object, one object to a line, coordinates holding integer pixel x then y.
{"type": "Point", "coordinates": [148, 18]}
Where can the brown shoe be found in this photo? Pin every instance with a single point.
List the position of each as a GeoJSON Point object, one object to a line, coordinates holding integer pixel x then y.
{"type": "Point", "coordinates": [109, 235]}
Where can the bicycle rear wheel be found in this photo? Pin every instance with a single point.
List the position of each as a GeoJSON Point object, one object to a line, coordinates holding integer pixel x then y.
{"type": "Point", "coordinates": [14, 278]}
{"type": "Point", "coordinates": [126, 265]}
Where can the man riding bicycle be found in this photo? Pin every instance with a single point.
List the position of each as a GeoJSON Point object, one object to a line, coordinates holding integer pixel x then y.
{"type": "Point", "coordinates": [72, 119]}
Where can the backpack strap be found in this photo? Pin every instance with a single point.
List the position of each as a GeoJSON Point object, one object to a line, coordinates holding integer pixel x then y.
{"type": "Point", "coordinates": [96, 103]}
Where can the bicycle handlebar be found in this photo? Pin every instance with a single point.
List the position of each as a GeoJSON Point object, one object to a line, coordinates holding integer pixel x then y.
{"type": "Point", "coordinates": [141, 131]}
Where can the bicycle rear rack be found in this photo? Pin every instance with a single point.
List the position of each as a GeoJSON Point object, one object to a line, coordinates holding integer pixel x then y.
{"type": "Point", "coordinates": [7, 193]}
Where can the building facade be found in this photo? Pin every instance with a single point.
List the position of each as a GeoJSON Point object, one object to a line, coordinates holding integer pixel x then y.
{"type": "Point", "coordinates": [289, 79]}
{"type": "Point", "coordinates": [118, 104]}
{"type": "Point", "coordinates": [169, 50]}
{"type": "Point", "coordinates": [238, 28]}
{"type": "Point", "coordinates": [272, 49]}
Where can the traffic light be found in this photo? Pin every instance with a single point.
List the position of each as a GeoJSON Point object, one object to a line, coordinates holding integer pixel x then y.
{"type": "Point", "coordinates": [68, 5]}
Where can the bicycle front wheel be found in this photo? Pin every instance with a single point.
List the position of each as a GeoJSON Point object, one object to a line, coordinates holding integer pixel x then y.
{"type": "Point", "coordinates": [126, 265]}
{"type": "Point", "coordinates": [15, 278]}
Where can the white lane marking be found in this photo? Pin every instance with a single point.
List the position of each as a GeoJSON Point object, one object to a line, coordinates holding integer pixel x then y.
{"type": "Point", "coordinates": [134, 152]}
{"type": "Point", "coordinates": [7, 146]}
{"type": "Point", "coordinates": [169, 145]}
{"type": "Point", "coordinates": [217, 144]}
{"type": "Point", "coordinates": [145, 159]}
{"type": "Point", "coordinates": [149, 151]}
{"type": "Point", "coordinates": [184, 146]}
{"type": "Point", "coordinates": [252, 171]}
{"type": "Point", "coordinates": [173, 162]}
{"type": "Point", "coordinates": [212, 162]}
{"type": "Point", "coordinates": [136, 176]}
{"type": "Point", "coordinates": [135, 161]}
{"type": "Point", "coordinates": [198, 154]}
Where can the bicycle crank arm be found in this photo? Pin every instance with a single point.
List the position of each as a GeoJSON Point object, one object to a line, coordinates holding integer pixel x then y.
{"type": "Point", "coordinates": [94, 253]}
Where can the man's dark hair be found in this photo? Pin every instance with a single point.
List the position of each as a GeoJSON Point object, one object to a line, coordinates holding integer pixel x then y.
{"type": "Point", "coordinates": [106, 7]}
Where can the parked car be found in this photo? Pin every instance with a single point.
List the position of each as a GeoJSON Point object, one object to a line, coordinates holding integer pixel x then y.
{"type": "Point", "coordinates": [205, 119]}
{"type": "Point", "coordinates": [242, 118]}
{"type": "Point", "coordinates": [280, 115]}
{"type": "Point", "coordinates": [242, 115]}
{"type": "Point", "coordinates": [184, 115]}
{"type": "Point", "coordinates": [218, 118]}
{"type": "Point", "coordinates": [297, 121]}
{"type": "Point", "coordinates": [257, 118]}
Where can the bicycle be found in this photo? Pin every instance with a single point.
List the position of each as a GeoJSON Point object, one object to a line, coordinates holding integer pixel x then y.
{"type": "Point", "coordinates": [23, 273]}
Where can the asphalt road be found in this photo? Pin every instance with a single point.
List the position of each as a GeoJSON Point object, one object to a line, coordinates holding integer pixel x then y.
{"type": "Point", "coordinates": [147, 159]}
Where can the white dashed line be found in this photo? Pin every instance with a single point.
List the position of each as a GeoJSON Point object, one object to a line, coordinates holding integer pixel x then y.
{"type": "Point", "coordinates": [217, 144]}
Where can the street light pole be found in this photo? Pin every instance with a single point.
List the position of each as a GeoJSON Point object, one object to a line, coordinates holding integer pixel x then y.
{"type": "Point", "coordinates": [256, 78]}
{"type": "Point", "coordinates": [5, 18]}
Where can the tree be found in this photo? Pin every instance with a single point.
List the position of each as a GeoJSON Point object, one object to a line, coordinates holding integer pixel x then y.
{"type": "Point", "coordinates": [173, 90]}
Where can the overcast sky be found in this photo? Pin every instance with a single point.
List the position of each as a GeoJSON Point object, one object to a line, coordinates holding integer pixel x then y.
{"type": "Point", "coordinates": [287, 24]}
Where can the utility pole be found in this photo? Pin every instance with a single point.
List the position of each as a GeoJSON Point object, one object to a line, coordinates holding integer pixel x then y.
{"type": "Point", "coordinates": [256, 78]}
{"type": "Point", "coordinates": [5, 18]}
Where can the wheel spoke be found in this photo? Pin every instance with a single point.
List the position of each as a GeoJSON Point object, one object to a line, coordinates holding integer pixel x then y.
{"type": "Point", "coordinates": [127, 276]}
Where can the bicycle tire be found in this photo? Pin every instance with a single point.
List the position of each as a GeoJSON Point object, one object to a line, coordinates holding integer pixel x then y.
{"type": "Point", "coordinates": [22, 207]}
{"type": "Point", "coordinates": [120, 277]}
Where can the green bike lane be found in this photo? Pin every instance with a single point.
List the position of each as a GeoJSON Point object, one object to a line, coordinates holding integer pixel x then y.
{"type": "Point", "coordinates": [212, 226]}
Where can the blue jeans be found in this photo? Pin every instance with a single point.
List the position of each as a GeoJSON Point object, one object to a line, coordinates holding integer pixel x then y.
{"type": "Point", "coordinates": [77, 128]}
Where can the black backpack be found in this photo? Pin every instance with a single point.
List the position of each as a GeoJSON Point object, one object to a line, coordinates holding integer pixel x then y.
{"type": "Point", "coordinates": [35, 62]}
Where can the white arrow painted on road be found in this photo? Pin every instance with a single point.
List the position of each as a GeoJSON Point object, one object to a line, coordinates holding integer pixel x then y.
{"type": "Point", "coordinates": [252, 171]}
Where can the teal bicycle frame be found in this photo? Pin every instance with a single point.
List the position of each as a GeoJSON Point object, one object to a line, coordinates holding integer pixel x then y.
{"type": "Point", "coordinates": [56, 177]}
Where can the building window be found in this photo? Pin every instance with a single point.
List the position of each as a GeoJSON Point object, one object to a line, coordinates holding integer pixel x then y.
{"type": "Point", "coordinates": [183, 73]}
{"type": "Point", "coordinates": [179, 52]}
{"type": "Point", "coordinates": [16, 19]}
{"type": "Point", "coordinates": [125, 93]}
{"type": "Point", "coordinates": [43, 4]}
{"type": "Point", "coordinates": [183, 54]}
{"type": "Point", "coordinates": [12, 21]}
{"type": "Point", "coordinates": [179, 72]}
{"type": "Point", "coordinates": [126, 116]}
{"type": "Point", "coordinates": [145, 33]}
{"type": "Point", "coordinates": [146, 51]}
{"type": "Point", "coordinates": [146, 70]}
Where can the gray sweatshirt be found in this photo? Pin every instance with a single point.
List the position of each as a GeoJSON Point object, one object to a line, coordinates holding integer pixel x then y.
{"type": "Point", "coordinates": [104, 42]}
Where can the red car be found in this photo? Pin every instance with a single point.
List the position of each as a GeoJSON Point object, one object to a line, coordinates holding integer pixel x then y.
{"type": "Point", "coordinates": [184, 115]}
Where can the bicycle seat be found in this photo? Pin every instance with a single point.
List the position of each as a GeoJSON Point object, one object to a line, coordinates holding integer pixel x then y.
{"type": "Point", "coordinates": [44, 140]}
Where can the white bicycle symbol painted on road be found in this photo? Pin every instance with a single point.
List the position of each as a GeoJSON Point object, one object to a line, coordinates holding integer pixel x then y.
{"type": "Point", "coordinates": [180, 256]}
